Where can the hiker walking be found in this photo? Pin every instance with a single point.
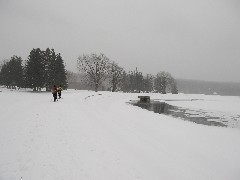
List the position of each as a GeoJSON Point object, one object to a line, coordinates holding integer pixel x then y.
{"type": "Point", "coordinates": [59, 90]}
{"type": "Point", "coordinates": [54, 92]}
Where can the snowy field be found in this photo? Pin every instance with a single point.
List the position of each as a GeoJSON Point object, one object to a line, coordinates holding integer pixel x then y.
{"type": "Point", "coordinates": [98, 136]}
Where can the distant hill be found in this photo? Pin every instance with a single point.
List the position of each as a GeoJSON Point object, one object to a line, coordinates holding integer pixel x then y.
{"type": "Point", "coordinates": [206, 87]}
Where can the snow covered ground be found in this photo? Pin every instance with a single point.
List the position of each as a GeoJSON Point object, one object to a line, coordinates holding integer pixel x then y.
{"type": "Point", "coordinates": [98, 136]}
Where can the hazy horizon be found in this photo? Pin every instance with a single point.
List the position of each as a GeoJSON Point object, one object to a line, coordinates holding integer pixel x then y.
{"type": "Point", "coordinates": [191, 39]}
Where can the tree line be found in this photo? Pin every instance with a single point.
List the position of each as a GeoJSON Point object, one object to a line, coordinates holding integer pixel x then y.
{"type": "Point", "coordinates": [42, 69]}
{"type": "Point", "coordinates": [98, 70]}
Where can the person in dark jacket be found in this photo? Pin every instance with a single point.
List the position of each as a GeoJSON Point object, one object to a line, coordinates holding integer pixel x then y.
{"type": "Point", "coordinates": [54, 92]}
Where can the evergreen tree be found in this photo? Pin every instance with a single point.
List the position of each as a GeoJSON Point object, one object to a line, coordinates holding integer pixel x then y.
{"type": "Point", "coordinates": [16, 71]}
{"type": "Point", "coordinates": [45, 69]}
{"type": "Point", "coordinates": [12, 73]}
{"type": "Point", "coordinates": [1, 65]}
{"type": "Point", "coordinates": [35, 70]}
{"type": "Point", "coordinates": [47, 59]}
{"type": "Point", "coordinates": [5, 75]}
{"type": "Point", "coordinates": [60, 72]}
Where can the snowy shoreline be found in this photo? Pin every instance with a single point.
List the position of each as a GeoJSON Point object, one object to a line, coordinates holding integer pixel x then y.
{"type": "Point", "coordinates": [88, 135]}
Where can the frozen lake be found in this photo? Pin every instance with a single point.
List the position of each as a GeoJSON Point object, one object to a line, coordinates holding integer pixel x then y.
{"type": "Point", "coordinates": [198, 116]}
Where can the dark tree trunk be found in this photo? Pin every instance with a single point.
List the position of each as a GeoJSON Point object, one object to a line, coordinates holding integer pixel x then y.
{"type": "Point", "coordinates": [114, 88]}
{"type": "Point", "coordinates": [96, 87]}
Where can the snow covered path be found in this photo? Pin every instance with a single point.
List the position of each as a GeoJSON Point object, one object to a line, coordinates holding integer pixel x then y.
{"type": "Point", "coordinates": [97, 136]}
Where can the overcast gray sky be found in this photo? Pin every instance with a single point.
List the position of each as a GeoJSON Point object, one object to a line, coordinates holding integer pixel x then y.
{"type": "Point", "coordinates": [191, 39]}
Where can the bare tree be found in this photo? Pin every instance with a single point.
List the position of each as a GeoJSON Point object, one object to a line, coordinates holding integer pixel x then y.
{"type": "Point", "coordinates": [96, 67]}
{"type": "Point", "coordinates": [116, 75]}
{"type": "Point", "coordinates": [164, 82]}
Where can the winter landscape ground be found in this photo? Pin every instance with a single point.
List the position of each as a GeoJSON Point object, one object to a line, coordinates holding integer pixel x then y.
{"type": "Point", "coordinates": [98, 136]}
